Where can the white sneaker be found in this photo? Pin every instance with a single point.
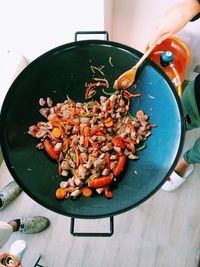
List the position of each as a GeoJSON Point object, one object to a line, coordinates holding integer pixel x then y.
{"type": "Point", "coordinates": [174, 181]}
{"type": "Point", "coordinates": [8, 193]}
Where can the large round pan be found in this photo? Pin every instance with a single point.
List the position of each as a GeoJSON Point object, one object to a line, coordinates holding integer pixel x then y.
{"type": "Point", "coordinates": [63, 71]}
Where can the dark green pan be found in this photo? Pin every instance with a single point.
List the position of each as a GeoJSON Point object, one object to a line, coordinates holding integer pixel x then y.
{"type": "Point", "coordinates": [63, 71]}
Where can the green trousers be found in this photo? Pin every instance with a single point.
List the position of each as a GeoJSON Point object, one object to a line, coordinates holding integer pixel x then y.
{"type": "Point", "coordinates": [191, 156]}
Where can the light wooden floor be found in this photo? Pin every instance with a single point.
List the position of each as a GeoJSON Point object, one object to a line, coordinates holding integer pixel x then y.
{"type": "Point", "coordinates": [162, 232]}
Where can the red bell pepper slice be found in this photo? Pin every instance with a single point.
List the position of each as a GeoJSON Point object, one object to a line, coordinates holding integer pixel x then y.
{"type": "Point", "coordinates": [120, 165]}
{"type": "Point", "coordinates": [108, 160]}
{"type": "Point", "coordinates": [50, 149]}
{"type": "Point", "coordinates": [118, 141]}
{"type": "Point", "coordinates": [100, 182]}
{"type": "Point", "coordinates": [108, 193]}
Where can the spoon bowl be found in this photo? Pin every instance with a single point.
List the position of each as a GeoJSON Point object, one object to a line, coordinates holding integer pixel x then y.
{"type": "Point", "coordinates": [127, 78]}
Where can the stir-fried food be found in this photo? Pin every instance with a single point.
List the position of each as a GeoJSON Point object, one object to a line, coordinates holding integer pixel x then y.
{"type": "Point", "coordinates": [91, 141]}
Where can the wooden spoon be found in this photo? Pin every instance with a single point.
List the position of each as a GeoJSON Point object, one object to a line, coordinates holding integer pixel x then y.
{"type": "Point", "coordinates": [128, 77]}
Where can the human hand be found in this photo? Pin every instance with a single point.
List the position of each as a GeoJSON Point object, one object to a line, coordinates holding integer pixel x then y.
{"type": "Point", "coordinates": [3, 255]}
{"type": "Point", "coordinates": [174, 19]}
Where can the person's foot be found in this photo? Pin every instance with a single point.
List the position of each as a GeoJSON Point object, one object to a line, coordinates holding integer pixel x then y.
{"type": "Point", "coordinates": [181, 167]}
{"type": "Point", "coordinates": [178, 176]}
{"type": "Point", "coordinates": [30, 225]}
{"type": "Point", "coordinates": [9, 193]}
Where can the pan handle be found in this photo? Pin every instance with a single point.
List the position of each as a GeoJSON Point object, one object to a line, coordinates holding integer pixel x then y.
{"type": "Point", "coordinates": [110, 233]}
{"type": "Point", "coordinates": [105, 33]}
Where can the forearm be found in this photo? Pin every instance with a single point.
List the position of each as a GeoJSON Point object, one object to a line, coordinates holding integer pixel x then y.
{"type": "Point", "coordinates": [184, 11]}
{"type": "Point", "coordinates": [193, 7]}
{"type": "Point", "coordinates": [174, 19]}
{"type": "Point", "coordinates": [198, 14]}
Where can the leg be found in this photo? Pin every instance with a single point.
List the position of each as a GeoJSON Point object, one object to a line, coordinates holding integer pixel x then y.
{"type": "Point", "coordinates": [190, 106]}
{"type": "Point", "coordinates": [192, 156]}
{"type": "Point", "coordinates": [185, 165]}
{"type": "Point", "coordinates": [190, 109]}
{"type": "Point", "coordinates": [9, 193]}
{"type": "Point", "coordinates": [5, 232]}
{"type": "Point", "coordinates": [26, 225]}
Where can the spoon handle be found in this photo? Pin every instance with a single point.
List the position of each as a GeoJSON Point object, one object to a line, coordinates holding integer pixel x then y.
{"type": "Point", "coordinates": [146, 54]}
